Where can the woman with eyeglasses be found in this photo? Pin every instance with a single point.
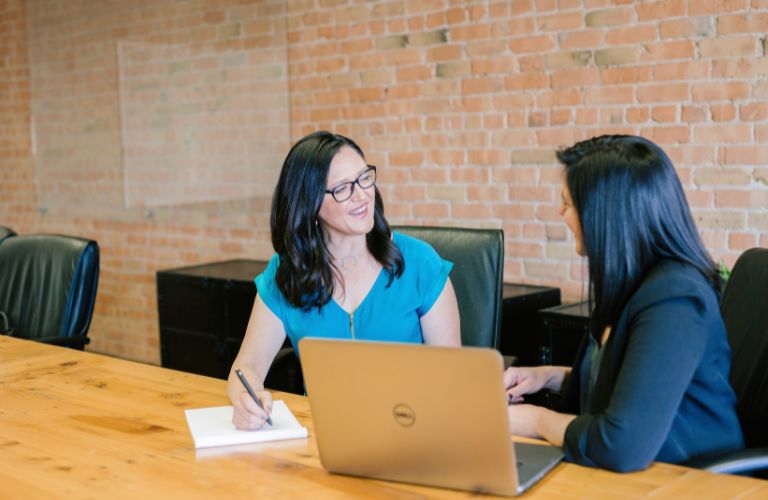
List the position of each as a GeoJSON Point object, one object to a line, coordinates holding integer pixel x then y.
{"type": "Point", "coordinates": [650, 382]}
{"type": "Point", "coordinates": [338, 270]}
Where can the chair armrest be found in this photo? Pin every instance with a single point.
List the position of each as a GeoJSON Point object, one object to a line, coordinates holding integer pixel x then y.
{"type": "Point", "coordinates": [72, 342]}
{"type": "Point", "coordinates": [734, 462]}
{"type": "Point", "coordinates": [509, 361]}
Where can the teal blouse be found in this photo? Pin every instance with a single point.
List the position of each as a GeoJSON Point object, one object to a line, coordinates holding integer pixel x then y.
{"type": "Point", "coordinates": [388, 313]}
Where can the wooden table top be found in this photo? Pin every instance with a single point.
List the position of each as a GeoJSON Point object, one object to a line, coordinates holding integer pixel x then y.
{"type": "Point", "coordinates": [81, 425]}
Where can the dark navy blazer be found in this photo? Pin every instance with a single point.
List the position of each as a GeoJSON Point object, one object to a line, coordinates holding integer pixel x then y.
{"type": "Point", "coordinates": [662, 392]}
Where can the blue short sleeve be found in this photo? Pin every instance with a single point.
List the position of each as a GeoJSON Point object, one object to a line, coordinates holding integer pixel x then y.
{"type": "Point", "coordinates": [429, 270]}
{"type": "Point", "coordinates": [267, 289]}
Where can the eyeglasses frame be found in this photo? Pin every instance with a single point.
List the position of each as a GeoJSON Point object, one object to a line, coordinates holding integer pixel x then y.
{"type": "Point", "coordinates": [352, 183]}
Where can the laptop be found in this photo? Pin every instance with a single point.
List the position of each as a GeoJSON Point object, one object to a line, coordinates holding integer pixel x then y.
{"type": "Point", "coordinates": [417, 414]}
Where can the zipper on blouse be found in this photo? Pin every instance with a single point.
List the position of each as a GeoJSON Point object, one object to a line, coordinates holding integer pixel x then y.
{"type": "Point", "coordinates": [352, 324]}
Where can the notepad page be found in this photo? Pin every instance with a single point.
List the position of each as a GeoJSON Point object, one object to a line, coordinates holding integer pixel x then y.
{"type": "Point", "coordinates": [213, 426]}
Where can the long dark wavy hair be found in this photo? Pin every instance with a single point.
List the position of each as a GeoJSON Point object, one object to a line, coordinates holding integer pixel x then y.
{"type": "Point", "coordinates": [306, 275]}
{"type": "Point", "coordinates": [633, 213]}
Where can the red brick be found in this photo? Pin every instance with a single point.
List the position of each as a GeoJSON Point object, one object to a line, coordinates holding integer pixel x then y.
{"type": "Point", "coordinates": [471, 210]}
{"type": "Point", "coordinates": [560, 116]}
{"type": "Point", "coordinates": [560, 60]}
{"type": "Point", "coordinates": [409, 159]}
{"type": "Point", "coordinates": [720, 91]}
{"type": "Point", "coordinates": [586, 116]}
{"type": "Point", "coordinates": [730, 133]}
{"type": "Point", "coordinates": [744, 155]}
{"type": "Point", "coordinates": [469, 32]}
{"type": "Point", "coordinates": [485, 48]}
{"type": "Point", "coordinates": [729, 47]}
{"type": "Point", "coordinates": [466, 174]}
{"type": "Point", "coordinates": [684, 28]}
{"type": "Point", "coordinates": [700, 199]}
{"type": "Point", "coordinates": [741, 68]}
{"type": "Point", "coordinates": [558, 137]}
{"type": "Point", "coordinates": [414, 73]}
{"type": "Point", "coordinates": [444, 53]}
{"type": "Point", "coordinates": [631, 35]}
{"type": "Point", "coordinates": [608, 17]}
{"type": "Point", "coordinates": [721, 177]}
{"type": "Point", "coordinates": [489, 157]}
{"type": "Point", "coordinates": [663, 92]}
{"type": "Point", "coordinates": [513, 211]}
{"type": "Point", "coordinates": [493, 121]}
{"type": "Point", "coordinates": [754, 112]}
{"type": "Point", "coordinates": [664, 114]}
{"type": "Point", "coordinates": [667, 135]}
{"type": "Point", "coordinates": [624, 94]}
{"type": "Point", "coordinates": [587, 39]}
{"type": "Point", "coordinates": [566, 97]}
{"type": "Point", "coordinates": [542, 43]}
{"type": "Point", "coordinates": [694, 70]}
{"type": "Point", "coordinates": [626, 74]}
{"type": "Point", "coordinates": [513, 138]}
{"type": "Point", "coordinates": [638, 115]}
{"type": "Point", "coordinates": [525, 249]}
{"type": "Point", "coordinates": [708, 7]}
{"type": "Point", "coordinates": [664, 51]}
{"type": "Point", "coordinates": [513, 174]}
{"type": "Point", "coordinates": [560, 22]}
{"type": "Point", "coordinates": [754, 22]}
{"type": "Point", "coordinates": [495, 65]}
{"type": "Point", "coordinates": [486, 193]}
{"type": "Point", "coordinates": [742, 241]}
{"type": "Point", "coordinates": [750, 198]}
{"type": "Point", "coordinates": [723, 112]}
{"type": "Point", "coordinates": [438, 210]}
{"type": "Point", "coordinates": [519, 7]}
{"type": "Point", "coordinates": [575, 77]}
{"type": "Point", "coordinates": [663, 9]}
{"type": "Point", "coordinates": [482, 85]}
{"type": "Point", "coordinates": [694, 114]}
{"type": "Point", "coordinates": [527, 81]}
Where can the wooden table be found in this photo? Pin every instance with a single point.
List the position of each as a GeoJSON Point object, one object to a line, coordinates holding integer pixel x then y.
{"type": "Point", "coordinates": [81, 425]}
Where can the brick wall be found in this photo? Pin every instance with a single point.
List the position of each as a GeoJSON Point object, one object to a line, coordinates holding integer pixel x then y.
{"type": "Point", "coordinates": [460, 103]}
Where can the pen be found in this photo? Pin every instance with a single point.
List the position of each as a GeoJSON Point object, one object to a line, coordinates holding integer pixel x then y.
{"type": "Point", "coordinates": [251, 391]}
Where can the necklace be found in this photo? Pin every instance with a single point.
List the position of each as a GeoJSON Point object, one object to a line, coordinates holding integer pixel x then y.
{"type": "Point", "coordinates": [350, 262]}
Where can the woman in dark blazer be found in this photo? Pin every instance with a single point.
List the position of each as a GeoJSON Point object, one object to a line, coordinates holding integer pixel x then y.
{"type": "Point", "coordinates": [651, 380]}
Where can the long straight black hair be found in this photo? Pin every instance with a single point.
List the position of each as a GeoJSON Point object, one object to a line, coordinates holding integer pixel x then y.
{"type": "Point", "coordinates": [306, 273]}
{"type": "Point", "coordinates": [633, 213]}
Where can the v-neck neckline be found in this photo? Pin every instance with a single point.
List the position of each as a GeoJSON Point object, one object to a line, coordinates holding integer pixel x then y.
{"type": "Point", "coordinates": [365, 299]}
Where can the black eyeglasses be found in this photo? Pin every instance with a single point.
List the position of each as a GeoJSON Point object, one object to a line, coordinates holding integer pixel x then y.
{"type": "Point", "coordinates": [345, 190]}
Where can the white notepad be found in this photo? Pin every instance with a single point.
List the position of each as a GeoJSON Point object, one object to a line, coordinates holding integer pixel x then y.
{"type": "Point", "coordinates": [213, 427]}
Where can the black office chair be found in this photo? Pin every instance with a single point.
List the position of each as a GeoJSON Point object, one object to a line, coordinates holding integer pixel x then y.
{"type": "Point", "coordinates": [477, 276]}
{"type": "Point", "coordinates": [745, 314]}
{"type": "Point", "coordinates": [285, 373]}
{"type": "Point", "coordinates": [6, 232]}
{"type": "Point", "coordinates": [48, 287]}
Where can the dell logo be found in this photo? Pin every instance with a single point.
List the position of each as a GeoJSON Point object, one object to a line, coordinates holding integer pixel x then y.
{"type": "Point", "coordinates": [404, 415]}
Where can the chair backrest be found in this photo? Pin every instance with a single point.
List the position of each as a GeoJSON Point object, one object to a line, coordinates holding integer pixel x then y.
{"type": "Point", "coordinates": [477, 276]}
{"type": "Point", "coordinates": [48, 285]}
{"type": "Point", "coordinates": [745, 312]}
{"type": "Point", "coordinates": [6, 232]}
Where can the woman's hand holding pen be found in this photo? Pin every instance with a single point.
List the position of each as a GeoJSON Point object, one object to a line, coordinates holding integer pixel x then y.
{"type": "Point", "coordinates": [530, 379]}
{"type": "Point", "coordinates": [247, 415]}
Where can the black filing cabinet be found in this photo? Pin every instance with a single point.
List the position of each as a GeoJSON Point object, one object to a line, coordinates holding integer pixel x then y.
{"type": "Point", "coordinates": [562, 329]}
{"type": "Point", "coordinates": [520, 321]}
{"type": "Point", "coordinates": [204, 311]}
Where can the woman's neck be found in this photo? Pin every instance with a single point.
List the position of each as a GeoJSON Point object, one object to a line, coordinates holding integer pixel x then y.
{"type": "Point", "coordinates": [349, 253]}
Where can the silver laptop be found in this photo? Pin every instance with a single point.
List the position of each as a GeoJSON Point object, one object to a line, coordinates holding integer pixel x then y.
{"type": "Point", "coordinates": [417, 414]}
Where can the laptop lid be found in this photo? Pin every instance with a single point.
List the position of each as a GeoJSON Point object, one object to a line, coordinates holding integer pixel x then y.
{"type": "Point", "coordinates": [411, 413]}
